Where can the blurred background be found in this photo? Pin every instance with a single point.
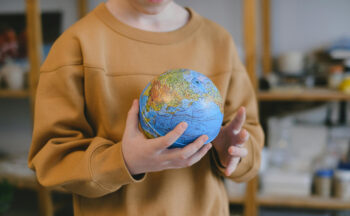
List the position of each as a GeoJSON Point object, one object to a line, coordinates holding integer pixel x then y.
{"type": "Point", "coordinates": [297, 54]}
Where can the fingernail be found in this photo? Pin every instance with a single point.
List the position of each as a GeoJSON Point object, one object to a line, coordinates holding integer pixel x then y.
{"type": "Point", "coordinates": [184, 125]}
{"type": "Point", "coordinates": [235, 132]}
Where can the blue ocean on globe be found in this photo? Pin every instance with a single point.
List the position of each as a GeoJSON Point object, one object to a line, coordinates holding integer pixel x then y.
{"type": "Point", "coordinates": [181, 95]}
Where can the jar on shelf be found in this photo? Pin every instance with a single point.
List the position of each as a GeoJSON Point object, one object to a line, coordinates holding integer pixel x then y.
{"type": "Point", "coordinates": [345, 84]}
{"type": "Point", "coordinates": [323, 182]}
{"type": "Point", "coordinates": [342, 184]}
{"type": "Point", "coordinates": [335, 76]}
{"type": "Point", "coordinates": [13, 75]}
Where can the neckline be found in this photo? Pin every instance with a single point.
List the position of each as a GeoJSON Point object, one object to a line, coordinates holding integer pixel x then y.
{"type": "Point", "coordinates": [174, 36]}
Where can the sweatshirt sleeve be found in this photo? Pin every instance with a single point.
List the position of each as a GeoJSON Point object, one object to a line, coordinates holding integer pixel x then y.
{"type": "Point", "coordinates": [65, 152]}
{"type": "Point", "coordinates": [241, 93]}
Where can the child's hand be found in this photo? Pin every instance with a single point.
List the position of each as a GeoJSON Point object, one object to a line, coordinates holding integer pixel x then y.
{"type": "Point", "coordinates": [150, 155]}
{"type": "Point", "coordinates": [228, 144]}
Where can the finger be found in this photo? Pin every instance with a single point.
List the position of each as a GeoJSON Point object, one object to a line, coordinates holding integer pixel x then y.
{"type": "Point", "coordinates": [242, 137]}
{"type": "Point", "coordinates": [132, 120]}
{"type": "Point", "coordinates": [238, 151]}
{"type": "Point", "coordinates": [167, 140]}
{"type": "Point", "coordinates": [238, 121]}
{"type": "Point", "coordinates": [198, 155]}
{"type": "Point", "coordinates": [190, 149]}
{"type": "Point", "coordinates": [232, 165]}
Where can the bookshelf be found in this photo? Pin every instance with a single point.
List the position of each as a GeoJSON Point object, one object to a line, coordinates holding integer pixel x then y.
{"type": "Point", "coordinates": [311, 202]}
{"type": "Point", "coordinates": [252, 199]}
{"type": "Point", "coordinates": [303, 94]}
{"type": "Point", "coordinates": [14, 94]}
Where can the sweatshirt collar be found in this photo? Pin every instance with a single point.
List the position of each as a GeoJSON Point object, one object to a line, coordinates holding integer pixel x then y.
{"type": "Point", "coordinates": [148, 36]}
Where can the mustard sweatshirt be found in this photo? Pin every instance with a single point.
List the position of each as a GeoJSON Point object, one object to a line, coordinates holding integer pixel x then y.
{"type": "Point", "coordinates": [86, 87]}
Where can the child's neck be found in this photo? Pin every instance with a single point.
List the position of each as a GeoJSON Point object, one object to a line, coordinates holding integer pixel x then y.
{"type": "Point", "coordinates": [170, 18]}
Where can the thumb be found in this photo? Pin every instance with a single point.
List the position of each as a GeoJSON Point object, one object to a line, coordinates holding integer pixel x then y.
{"type": "Point", "coordinates": [132, 120]}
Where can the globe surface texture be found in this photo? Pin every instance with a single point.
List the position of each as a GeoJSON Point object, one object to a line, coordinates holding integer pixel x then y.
{"type": "Point", "coordinates": [181, 95]}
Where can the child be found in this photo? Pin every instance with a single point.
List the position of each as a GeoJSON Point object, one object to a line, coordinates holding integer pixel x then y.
{"type": "Point", "coordinates": [87, 140]}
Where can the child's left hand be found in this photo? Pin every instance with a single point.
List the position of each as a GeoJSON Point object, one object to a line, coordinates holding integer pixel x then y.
{"type": "Point", "coordinates": [229, 143]}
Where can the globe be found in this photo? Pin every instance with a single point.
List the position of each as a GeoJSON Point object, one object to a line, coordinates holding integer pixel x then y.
{"type": "Point", "coordinates": [181, 95]}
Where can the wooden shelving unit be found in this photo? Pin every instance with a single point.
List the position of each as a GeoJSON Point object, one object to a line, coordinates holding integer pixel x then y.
{"type": "Point", "coordinates": [311, 202]}
{"type": "Point", "coordinates": [27, 179]}
{"type": "Point", "coordinates": [14, 94]}
{"type": "Point", "coordinates": [252, 200]}
{"type": "Point", "coordinates": [34, 33]}
{"type": "Point", "coordinates": [300, 94]}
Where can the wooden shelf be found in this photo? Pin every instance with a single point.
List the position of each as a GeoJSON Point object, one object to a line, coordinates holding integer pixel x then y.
{"type": "Point", "coordinates": [14, 93]}
{"type": "Point", "coordinates": [236, 200]}
{"type": "Point", "coordinates": [304, 202]}
{"type": "Point", "coordinates": [300, 94]}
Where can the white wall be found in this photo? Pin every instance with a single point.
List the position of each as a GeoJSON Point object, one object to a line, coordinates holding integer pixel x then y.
{"type": "Point", "coordinates": [306, 24]}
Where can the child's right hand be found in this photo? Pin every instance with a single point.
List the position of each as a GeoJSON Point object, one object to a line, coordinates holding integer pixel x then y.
{"type": "Point", "coordinates": [143, 155]}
